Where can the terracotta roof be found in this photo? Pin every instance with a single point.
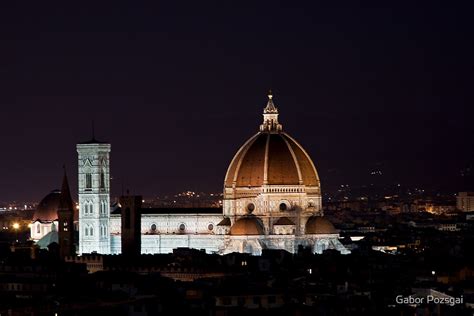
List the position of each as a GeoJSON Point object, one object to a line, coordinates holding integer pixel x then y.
{"type": "Point", "coordinates": [248, 225]}
{"type": "Point", "coordinates": [224, 222]}
{"type": "Point", "coordinates": [319, 225]}
{"type": "Point", "coordinates": [174, 210]}
{"type": "Point", "coordinates": [47, 209]}
{"type": "Point", "coordinates": [286, 163]}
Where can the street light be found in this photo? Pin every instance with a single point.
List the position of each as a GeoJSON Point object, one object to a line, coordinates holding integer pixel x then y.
{"type": "Point", "coordinates": [16, 226]}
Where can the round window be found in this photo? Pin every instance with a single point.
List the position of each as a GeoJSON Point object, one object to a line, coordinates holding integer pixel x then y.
{"type": "Point", "coordinates": [283, 206]}
{"type": "Point", "coordinates": [250, 207]}
{"type": "Point", "coordinates": [153, 227]}
{"type": "Point", "coordinates": [210, 227]}
{"type": "Point", "coordinates": [182, 227]}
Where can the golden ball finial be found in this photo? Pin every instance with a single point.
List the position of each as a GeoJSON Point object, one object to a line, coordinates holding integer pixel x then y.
{"type": "Point", "coordinates": [270, 94]}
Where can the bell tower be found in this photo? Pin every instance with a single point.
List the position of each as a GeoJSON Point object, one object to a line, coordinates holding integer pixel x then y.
{"type": "Point", "coordinates": [94, 196]}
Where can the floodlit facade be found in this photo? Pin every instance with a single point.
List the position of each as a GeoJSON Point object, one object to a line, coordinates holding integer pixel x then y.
{"type": "Point", "coordinates": [272, 200]}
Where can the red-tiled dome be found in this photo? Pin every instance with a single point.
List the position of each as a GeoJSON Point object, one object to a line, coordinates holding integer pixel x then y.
{"type": "Point", "coordinates": [271, 158]}
{"type": "Point", "coordinates": [47, 209]}
{"type": "Point", "coordinates": [319, 225]}
{"type": "Point", "coordinates": [247, 226]}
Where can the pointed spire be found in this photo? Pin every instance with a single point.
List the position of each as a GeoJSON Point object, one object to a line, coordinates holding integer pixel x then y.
{"type": "Point", "coordinates": [65, 200]}
{"type": "Point", "coordinates": [270, 117]}
{"type": "Point", "coordinates": [270, 108]}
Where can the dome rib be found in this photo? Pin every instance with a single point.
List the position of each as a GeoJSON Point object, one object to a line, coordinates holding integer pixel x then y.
{"type": "Point", "coordinates": [282, 169]}
{"type": "Point", "coordinates": [250, 170]}
{"type": "Point", "coordinates": [306, 174]}
{"type": "Point", "coordinates": [238, 158]}
{"type": "Point", "coordinates": [297, 164]}
{"type": "Point", "coordinates": [265, 166]}
{"type": "Point", "coordinates": [271, 159]}
{"type": "Point", "coordinates": [47, 209]}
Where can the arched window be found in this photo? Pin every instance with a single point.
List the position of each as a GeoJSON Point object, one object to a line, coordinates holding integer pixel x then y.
{"type": "Point", "coordinates": [91, 208]}
{"type": "Point", "coordinates": [182, 227]}
{"type": "Point", "coordinates": [86, 231]}
{"type": "Point", "coordinates": [38, 228]}
{"type": "Point", "coordinates": [91, 231]}
{"type": "Point", "coordinates": [153, 228]}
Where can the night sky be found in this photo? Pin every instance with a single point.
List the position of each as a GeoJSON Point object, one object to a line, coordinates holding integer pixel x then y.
{"type": "Point", "coordinates": [177, 88]}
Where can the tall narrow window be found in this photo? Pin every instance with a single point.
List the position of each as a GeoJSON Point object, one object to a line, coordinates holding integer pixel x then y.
{"type": "Point", "coordinates": [91, 231]}
{"type": "Point", "coordinates": [102, 179]}
{"type": "Point", "coordinates": [88, 181]}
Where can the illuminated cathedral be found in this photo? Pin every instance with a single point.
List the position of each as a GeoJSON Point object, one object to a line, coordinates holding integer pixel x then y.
{"type": "Point", "coordinates": [272, 200]}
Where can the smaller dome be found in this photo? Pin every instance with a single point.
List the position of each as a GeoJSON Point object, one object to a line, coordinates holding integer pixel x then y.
{"type": "Point", "coordinates": [319, 225]}
{"type": "Point", "coordinates": [47, 209]}
{"type": "Point", "coordinates": [247, 226]}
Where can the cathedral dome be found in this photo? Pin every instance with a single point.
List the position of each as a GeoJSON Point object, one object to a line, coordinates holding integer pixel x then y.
{"type": "Point", "coordinates": [271, 157]}
{"type": "Point", "coordinates": [319, 225]}
{"type": "Point", "coordinates": [47, 209]}
{"type": "Point", "coordinates": [247, 226]}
